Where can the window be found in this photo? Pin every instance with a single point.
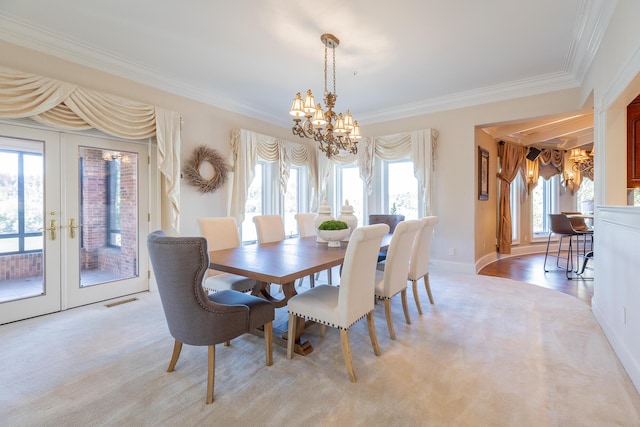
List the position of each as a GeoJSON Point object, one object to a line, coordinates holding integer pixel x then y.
{"type": "Point", "coordinates": [21, 192]}
{"type": "Point", "coordinates": [349, 186]}
{"type": "Point", "coordinates": [584, 196]}
{"type": "Point", "coordinates": [295, 199]}
{"type": "Point", "coordinates": [544, 200]}
{"type": "Point", "coordinates": [401, 189]}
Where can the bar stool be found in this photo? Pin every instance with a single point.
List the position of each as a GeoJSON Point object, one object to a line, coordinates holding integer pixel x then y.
{"type": "Point", "coordinates": [561, 226]}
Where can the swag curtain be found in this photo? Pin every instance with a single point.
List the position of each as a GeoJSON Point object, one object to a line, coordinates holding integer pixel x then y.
{"type": "Point", "coordinates": [418, 145]}
{"type": "Point", "coordinates": [548, 164]}
{"type": "Point", "coordinates": [247, 147]}
{"type": "Point", "coordinates": [69, 107]}
{"type": "Point", "coordinates": [512, 156]}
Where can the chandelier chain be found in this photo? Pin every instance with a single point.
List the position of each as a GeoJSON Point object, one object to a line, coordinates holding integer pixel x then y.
{"type": "Point", "coordinates": [325, 70]}
{"type": "Point", "coordinates": [334, 70]}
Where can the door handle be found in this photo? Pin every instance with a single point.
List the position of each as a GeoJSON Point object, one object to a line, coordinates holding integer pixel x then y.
{"type": "Point", "coordinates": [52, 229]}
{"type": "Point", "coordinates": [72, 228]}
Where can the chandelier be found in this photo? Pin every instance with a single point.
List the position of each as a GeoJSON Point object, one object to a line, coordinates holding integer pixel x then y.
{"type": "Point", "coordinates": [582, 162]}
{"type": "Point", "coordinates": [332, 132]}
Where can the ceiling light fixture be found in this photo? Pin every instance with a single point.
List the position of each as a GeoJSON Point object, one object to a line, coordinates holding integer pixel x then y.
{"type": "Point", "coordinates": [582, 161]}
{"type": "Point", "coordinates": [319, 125]}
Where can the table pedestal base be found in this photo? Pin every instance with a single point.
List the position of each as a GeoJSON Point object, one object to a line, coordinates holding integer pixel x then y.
{"type": "Point", "coordinates": [302, 346]}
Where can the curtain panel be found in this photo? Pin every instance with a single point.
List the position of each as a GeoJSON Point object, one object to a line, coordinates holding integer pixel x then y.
{"type": "Point", "coordinates": [69, 107]}
{"type": "Point", "coordinates": [512, 157]}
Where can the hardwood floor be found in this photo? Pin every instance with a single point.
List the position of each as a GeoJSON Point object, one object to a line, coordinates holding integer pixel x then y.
{"type": "Point", "coordinates": [529, 268]}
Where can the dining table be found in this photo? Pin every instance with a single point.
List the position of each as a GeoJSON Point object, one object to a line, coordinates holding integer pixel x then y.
{"type": "Point", "coordinates": [281, 263]}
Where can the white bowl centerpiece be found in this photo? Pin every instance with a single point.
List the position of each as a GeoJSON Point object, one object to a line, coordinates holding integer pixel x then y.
{"type": "Point", "coordinates": [333, 231]}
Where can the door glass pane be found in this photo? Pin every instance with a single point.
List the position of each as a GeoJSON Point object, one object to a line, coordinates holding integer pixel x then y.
{"type": "Point", "coordinates": [21, 219]}
{"type": "Point", "coordinates": [108, 234]}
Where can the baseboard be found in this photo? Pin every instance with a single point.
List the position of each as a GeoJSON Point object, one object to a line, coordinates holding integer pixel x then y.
{"type": "Point", "coordinates": [629, 362]}
{"type": "Point", "coordinates": [453, 267]}
{"type": "Point", "coordinates": [515, 251]}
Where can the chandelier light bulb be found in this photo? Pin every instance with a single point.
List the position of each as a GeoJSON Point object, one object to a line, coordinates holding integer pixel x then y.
{"type": "Point", "coordinates": [296, 107]}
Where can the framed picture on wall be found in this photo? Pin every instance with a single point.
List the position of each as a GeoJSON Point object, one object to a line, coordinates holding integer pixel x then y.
{"type": "Point", "coordinates": [483, 174]}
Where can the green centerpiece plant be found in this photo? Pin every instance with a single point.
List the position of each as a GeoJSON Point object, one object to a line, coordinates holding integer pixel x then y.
{"type": "Point", "coordinates": [333, 225]}
{"type": "Point", "coordinates": [333, 231]}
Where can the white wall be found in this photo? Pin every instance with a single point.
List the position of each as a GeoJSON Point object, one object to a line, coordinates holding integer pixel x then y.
{"type": "Point", "coordinates": [616, 299]}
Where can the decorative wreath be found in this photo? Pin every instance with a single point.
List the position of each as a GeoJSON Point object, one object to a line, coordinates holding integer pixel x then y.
{"type": "Point", "coordinates": [191, 169]}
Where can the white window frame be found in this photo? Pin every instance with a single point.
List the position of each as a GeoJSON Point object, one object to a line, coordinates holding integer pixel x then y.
{"type": "Point", "coordinates": [551, 193]}
{"type": "Point", "coordinates": [385, 185]}
{"type": "Point", "coordinates": [302, 198]}
{"type": "Point", "coordinates": [339, 197]}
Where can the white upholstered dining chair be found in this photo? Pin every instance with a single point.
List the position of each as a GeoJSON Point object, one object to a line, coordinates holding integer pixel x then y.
{"type": "Point", "coordinates": [420, 254]}
{"type": "Point", "coordinates": [342, 306]}
{"type": "Point", "coordinates": [222, 233]}
{"type": "Point", "coordinates": [269, 228]}
{"type": "Point", "coordinates": [307, 228]}
{"type": "Point", "coordinates": [393, 280]}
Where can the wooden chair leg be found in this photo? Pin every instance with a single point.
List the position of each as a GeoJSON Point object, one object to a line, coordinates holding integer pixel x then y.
{"type": "Point", "coordinates": [177, 347]}
{"type": "Point", "coordinates": [211, 373]}
{"type": "Point", "coordinates": [291, 337]}
{"type": "Point", "coordinates": [387, 312]}
{"type": "Point", "coordinates": [372, 333]}
{"type": "Point", "coordinates": [414, 284]}
{"type": "Point", "coordinates": [268, 342]}
{"type": "Point", "coordinates": [405, 307]}
{"type": "Point", "coordinates": [427, 286]}
{"type": "Point", "coordinates": [346, 352]}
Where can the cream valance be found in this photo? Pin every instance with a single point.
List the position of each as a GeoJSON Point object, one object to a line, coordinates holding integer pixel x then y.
{"type": "Point", "coordinates": [69, 107]}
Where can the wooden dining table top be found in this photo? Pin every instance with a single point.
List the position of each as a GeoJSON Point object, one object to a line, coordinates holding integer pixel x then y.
{"type": "Point", "coordinates": [280, 262]}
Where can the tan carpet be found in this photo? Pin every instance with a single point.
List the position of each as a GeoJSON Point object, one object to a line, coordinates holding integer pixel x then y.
{"type": "Point", "coordinates": [491, 352]}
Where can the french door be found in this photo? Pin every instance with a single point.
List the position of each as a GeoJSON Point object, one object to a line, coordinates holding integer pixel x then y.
{"type": "Point", "coordinates": [73, 214]}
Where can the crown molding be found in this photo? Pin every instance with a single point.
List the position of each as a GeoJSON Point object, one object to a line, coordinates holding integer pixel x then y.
{"type": "Point", "coordinates": [501, 92]}
{"type": "Point", "coordinates": [592, 22]}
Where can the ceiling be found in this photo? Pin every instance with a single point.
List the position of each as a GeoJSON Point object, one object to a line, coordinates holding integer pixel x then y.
{"type": "Point", "coordinates": [560, 132]}
{"type": "Point", "coordinates": [395, 59]}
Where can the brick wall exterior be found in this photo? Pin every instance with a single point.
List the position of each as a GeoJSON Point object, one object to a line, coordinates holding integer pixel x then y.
{"type": "Point", "coordinates": [20, 266]}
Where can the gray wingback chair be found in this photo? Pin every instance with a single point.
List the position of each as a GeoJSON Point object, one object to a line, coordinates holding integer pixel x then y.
{"type": "Point", "coordinates": [193, 317]}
